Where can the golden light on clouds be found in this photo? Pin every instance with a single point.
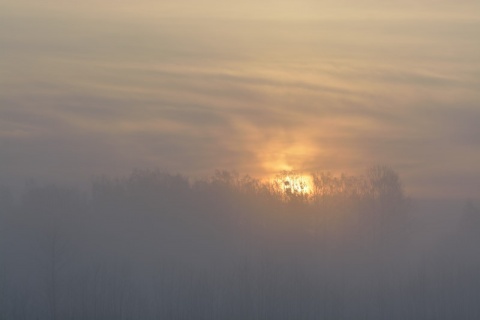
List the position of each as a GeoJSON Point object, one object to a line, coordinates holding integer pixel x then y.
{"type": "Point", "coordinates": [280, 156]}
{"type": "Point", "coordinates": [257, 87]}
{"type": "Point", "coordinates": [287, 160]}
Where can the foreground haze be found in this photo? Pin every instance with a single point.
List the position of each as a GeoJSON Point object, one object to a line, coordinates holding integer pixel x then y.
{"type": "Point", "coordinates": [103, 87]}
{"type": "Point", "coordinates": [157, 246]}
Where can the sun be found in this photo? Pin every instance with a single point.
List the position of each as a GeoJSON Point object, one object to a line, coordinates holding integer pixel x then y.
{"type": "Point", "coordinates": [294, 183]}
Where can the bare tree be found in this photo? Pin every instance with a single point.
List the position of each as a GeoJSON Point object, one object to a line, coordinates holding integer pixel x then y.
{"type": "Point", "coordinates": [388, 199]}
{"type": "Point", "coordinates": [51, 209]}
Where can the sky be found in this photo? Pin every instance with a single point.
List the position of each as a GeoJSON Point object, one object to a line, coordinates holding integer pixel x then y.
{"type": "Point", "coordinates": [104, 87]}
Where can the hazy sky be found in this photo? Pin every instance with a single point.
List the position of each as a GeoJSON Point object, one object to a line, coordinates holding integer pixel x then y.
{"type": "Point", "coordinates": [253, 86]}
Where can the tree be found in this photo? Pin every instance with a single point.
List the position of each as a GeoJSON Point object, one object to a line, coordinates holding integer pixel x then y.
{"type": "Point", "coordinates": [5, 209]}
{"type": "Point", "coordinates": [385, 188]}
{"type": "Point", "coordinates": [470, 217]}
{"type": "Point", "coordinates": [50, 209]}
{"type": "Point", "coordinates": [385, 191]}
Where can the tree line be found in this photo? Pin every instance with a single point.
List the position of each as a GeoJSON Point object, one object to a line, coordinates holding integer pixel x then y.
{"type": "Point", "coordinates": [154, 245]}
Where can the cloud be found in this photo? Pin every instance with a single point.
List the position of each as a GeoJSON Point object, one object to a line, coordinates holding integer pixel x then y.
{"type": "Point", "coordinates": [84, 98]}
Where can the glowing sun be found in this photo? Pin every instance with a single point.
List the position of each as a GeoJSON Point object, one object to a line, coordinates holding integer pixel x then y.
{"type": "Point", "coordinates": [293, 183]}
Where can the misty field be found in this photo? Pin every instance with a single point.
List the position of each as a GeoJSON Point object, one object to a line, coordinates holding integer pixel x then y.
{"type": "Point", "coordinates": [158, 246]}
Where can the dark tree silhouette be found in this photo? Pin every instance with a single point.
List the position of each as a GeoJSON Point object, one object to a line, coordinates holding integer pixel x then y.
{"type": "Point", "coordinates": [158, 246]}
{"type": "Point", "coordinates": [471, 218]}
{"type": "Point", "coordinates": [388, 199]}
{"type": "Point", "coordinates": [54, 209]}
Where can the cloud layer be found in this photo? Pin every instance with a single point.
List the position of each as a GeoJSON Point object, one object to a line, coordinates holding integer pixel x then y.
{"type": "Point", "coordinates": [83, 94]}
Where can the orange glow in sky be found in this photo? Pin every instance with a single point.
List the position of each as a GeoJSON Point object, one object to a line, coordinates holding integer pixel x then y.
{"type": "Point", "coordinates": [257, 87]}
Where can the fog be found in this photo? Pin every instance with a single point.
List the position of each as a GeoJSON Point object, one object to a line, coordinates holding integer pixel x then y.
{"type": "Point", "coordinates": [154, 245]}
{"type": "Point", "coordinates": [204, 159]}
